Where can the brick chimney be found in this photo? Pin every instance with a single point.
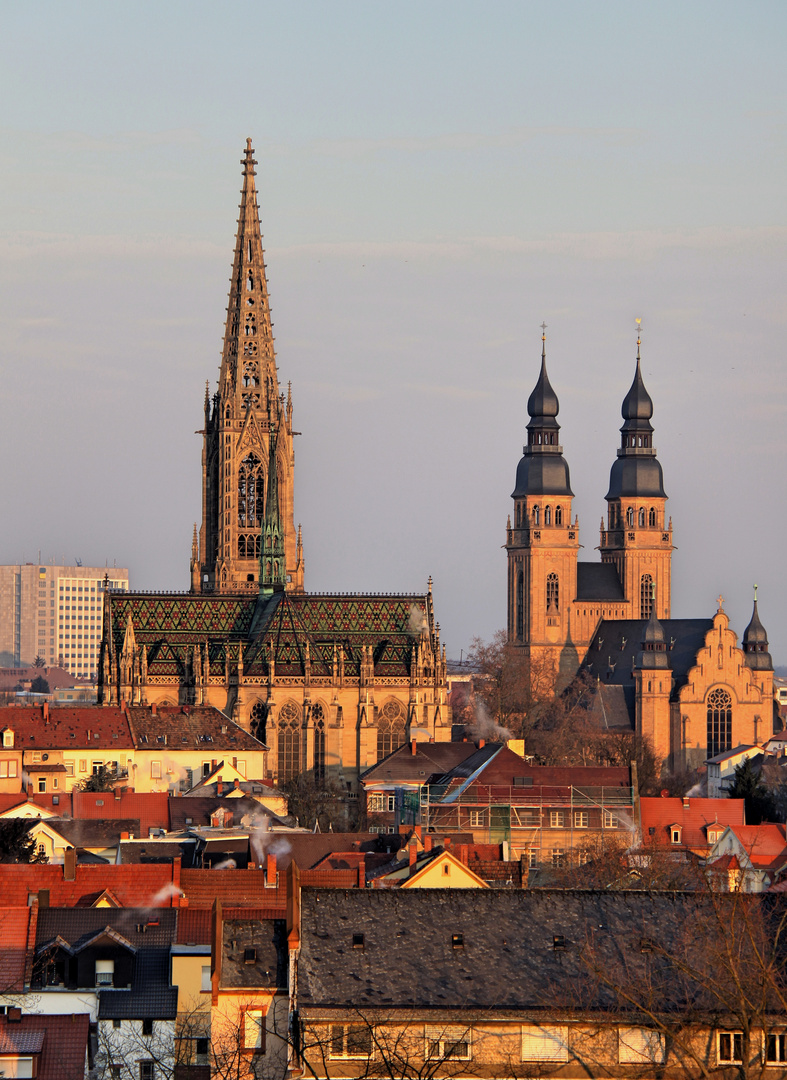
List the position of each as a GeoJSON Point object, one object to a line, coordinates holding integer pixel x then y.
{"type": "Point", "coordinates": [428, 842]}
{"type": "Point", "coordinates": [124, 835]}
{"type": "Point", "coordinates": [153, 708]}
{"type": "Point", "coordinates": [414, 747]}
{"type": "Point", "coordinates": [219, 787]}
{"type": "Point", "coordinates": [69, 864]}
{"type": "Point", "coordinates": [271, 873]}
{"type": "Point", "coordinates": [45, 708]}
{"type": "Point", "coordinates": [413, 856]}
{"type": "Point", "coordinates": [362, 872]}
{"type": "Point", "coordinates": [463, 853]}
{"type": "Point", "coordinates": [237, 783]}
{"type": "Point", "coordinates": [685, 802]}
{"type": "Point", "coordinates": [481, 744]}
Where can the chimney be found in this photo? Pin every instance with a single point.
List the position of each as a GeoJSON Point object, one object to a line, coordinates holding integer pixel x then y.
{"type": "Point", "coordinates": [69, 864]}
{"type": "Point", "coordinates": [413, 747]}
{"type": "Point", "coordinates": [362, 872]}
{"type": "Point", "coordinates": [481, 744]}
{"type": "Point", "coordinates": [463, 853]}
{"type": "Point", "coordinates": [219, 787]}
{"type": "Point", "coordinates": [428, 842]}
{"type": "Point", "coordinates": [271, 874]}
{"type": "Point", "coordinates": [413, 857]}
{"type": "Point", "coordinates": [45, 708]}
{"type": "Point", "coordinates": [153, 709]}
{"type": "Point", "coordinates": [237, 783]}
{"type": "Point", "coordinates": [685, 802]}
{"type": "Point", "coordinates": [124, 836]}
{"type": "Point", "coordinates": [446, 842]}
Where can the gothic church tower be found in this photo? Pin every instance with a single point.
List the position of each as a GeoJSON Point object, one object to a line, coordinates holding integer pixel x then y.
{"type": "Point", "coordinates": [247, 421]}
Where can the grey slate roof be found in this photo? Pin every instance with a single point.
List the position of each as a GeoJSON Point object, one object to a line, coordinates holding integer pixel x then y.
{"type": "Point", "coordinates": [268, 940]}
{"type": "Point", "coordinates": [94, 832]}
{"type": "Point", "coordinates": [598, 581]}
{"type": "Point", "coordinates": [150, 998]}
{"type": "Point", "coordinates": [430, 759]}
{"type": "Point", "coordinates": [508, 959]}
{"type": "Point", "coordinates": [78, 925]}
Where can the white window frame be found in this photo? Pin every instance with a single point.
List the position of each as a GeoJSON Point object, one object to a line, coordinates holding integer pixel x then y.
{"type": "Point", "coordinates": [441, 1041]}
{"type": "Point", "coordinates": [581, 819]}
{"type": "Point", "coordinates": [155, 770]}
{"type": "Point", "coordinates": [557, 819]}
{"type": "Point", "coordinates": [544, 1042]}
{"type": "Point", "coordinates": [207, 986]}
{"type": "Point", "coordinates": [476, 819]}
{"type": "Point", "coordinates": [254, 1029]}
{"type": "Point", "coordinates": [733, 1037]}
{"type": "Point", "coordinates": [780, 1044]}
{"type": "Point", "coordinates": [345, 1052]}
{"type": "Point", "coordinates": [610, 820]}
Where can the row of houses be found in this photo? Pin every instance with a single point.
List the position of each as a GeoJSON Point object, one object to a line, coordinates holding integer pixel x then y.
{"type": "Point", "coordinates": [400, 981]}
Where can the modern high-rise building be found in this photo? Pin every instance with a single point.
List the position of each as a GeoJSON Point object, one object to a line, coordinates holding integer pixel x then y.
{"type": "Point", "coordinates": [55, 612]}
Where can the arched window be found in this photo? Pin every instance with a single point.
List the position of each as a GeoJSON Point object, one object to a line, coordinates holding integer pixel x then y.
{"type": "Point", "coordinates": [719, 722]}
{"type": "Point", "coordinates": [642, 517]}
{"type": "Point", "coordinates": [258, 721]}
{"type": "Point", "coordinates": [289, 748]}
{"type": "Point", "coordinates": [548, 516]}
{"type": "Point", "coordinates": [536, 515]}
{"type": "Point", "coordinates": [553, 594]}
{"type": "Point", "coordinates": [391, 724]}
{"type": "Point", "coordinates": [318, 718]}
{"type": "Point", "coordinates": [645, 596]}
{"type": "Point", "coordinates": [251, 487]}
{"type": "Point", "coordinates": [630, 517]}
{"type": "Point", "coordinates": [558, 515]}
{"type": "Point", "coordinates": [520, 605]}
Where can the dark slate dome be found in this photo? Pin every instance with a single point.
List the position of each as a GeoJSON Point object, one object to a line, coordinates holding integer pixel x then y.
{"type": "Point", "coordinates": [637, 404]}
{"type": "Point", "coordinates": [654, 644]}
{"type": "Point", "coordinates": [631, 477]}
{"type": "Point", "coordinates": [543, 400]}
{"type": "Point", "coordinates": [542, 474]}
{"type": "Point", "coordinates": [755, 644]}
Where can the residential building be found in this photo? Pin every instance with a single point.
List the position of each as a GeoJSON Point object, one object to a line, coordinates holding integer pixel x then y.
{"type": "Point", "coordinates": [46, 1047]}
{"type": "Point", "coordinates": [749, 858]}
{"type": "Point", "coordinates": [688, 826]}
{"type": "Point", "coordinates": [331, 683]}
{"type": "Point", "coordinates": [721, 769]}
{"type": "Point", "coordinates": [54, 612]}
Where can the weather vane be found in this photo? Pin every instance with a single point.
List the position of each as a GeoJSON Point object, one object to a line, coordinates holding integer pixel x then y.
{"type": "Point", "coordinates": [639, 334]}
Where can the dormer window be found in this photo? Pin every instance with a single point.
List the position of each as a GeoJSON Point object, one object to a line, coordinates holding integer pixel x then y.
{"type": "Point", "coordinates": [8, 737]}
{"type": "Point", "coordinates": [675, 833]}
{"type": "Point", "coordinates": [105, 972]}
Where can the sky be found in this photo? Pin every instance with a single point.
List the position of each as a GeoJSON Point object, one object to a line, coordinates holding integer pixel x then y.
{"type": "Point", "coordinates": [435, 180]}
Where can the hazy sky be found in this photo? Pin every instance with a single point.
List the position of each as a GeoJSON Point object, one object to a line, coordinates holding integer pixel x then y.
{"type": "Point", "coordinates": [435, 179]}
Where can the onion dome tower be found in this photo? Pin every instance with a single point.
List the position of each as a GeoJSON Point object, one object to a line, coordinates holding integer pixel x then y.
{"type": "Point", "coordinates": [638, 539]}
{"type": "Point", "coordinates": [543, 544]}
{"type": "Point", "coordinates": [755, 642]}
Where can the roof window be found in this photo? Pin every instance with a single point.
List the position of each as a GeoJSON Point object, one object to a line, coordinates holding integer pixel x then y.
{"type": "Point", "coordinates": [358, 941]}
{"type": "Point", "coordinates": [558, 942]}
{"type": "Point", "coordinates": [249, 956]}
{"type": "Point", "coordinates": [457, 941]}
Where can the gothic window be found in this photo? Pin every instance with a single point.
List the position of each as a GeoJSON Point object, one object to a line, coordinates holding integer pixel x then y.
{"type": "Point", "coordinates": [630, 517]}
{"type": "Point", "coordinates": [250, 348]}
{"type": "Point", "coordinates": [548, 516]}
{"type": "Point", "coordinates": [250, 328]}
{"type": "Point", "coordinates": [520, 604]}
{"type": "Point", "coordinates": [251, 374]}
{"type": "Point", "coordinates": [289, 741]}
{"type": "Point", "coordinates": [536, 515]}
{"type": "Point", "coordinates": [248, 251]}
{"type": "Point", "coordinates": [249, 546]}
{"type": "Point", "coordinates": [645, 596]}
{"type": "Point", "coordinates": [391, 724]}
{"type": "Point", "coordinates": [642, 517]}
{"type": "Point", "coordinates": [652, 517]}
{"type": "Point", "coordinates": [250, 492]}
{"type": "Point", "coordinates": [318, 716]}
{"type": "Point", "coordinates": [250, 282]}
{"type": "Point", "coordinates": [719, 722]}
{"type": "Point", "coordinates": [553, 594]}
{"type": "Point", "coordinates": [258, 721]}
{"type": "Point", "coordinates": [558, 515]}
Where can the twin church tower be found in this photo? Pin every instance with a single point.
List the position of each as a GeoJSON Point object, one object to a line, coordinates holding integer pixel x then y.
{"type": "Point", "coordinates": [555, 602]}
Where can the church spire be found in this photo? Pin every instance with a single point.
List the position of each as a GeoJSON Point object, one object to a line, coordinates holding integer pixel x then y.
{"type": "Point", "coordinates": [272, 560]}
{"type": "Point", "coordinates": [755, 642]}
{"type": "Point", "coordinates": [543, 469]}
{"type": "Point", "coordinates": [248, 363]}
{"type": "Point", "coordinates": [637, 472]}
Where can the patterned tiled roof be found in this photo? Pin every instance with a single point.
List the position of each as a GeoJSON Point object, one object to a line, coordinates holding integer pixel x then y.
{"type": "Point", "coordinates": [170, 625]}
{"type": "Point", "coordinates": [182, 727]}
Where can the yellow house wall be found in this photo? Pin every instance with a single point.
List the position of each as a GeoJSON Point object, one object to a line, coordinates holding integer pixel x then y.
{"type": "Point", "coordinates": [177, 765]}
{"type": "Point", "coordinates": [187, 976]}
{"type": "Point", "coordinates": [434, 876]}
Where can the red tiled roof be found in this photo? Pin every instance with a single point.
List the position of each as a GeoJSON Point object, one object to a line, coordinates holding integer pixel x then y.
{"type": "Point", "coordinates": [693, 816]}
{"type": "Point", "coordinates": [765, 844]}
{"type": "Point", "coordinates": [134, 885]}
{"type": "Point", "coordinates": [67, 728]}
{"type": "Point", "coordinates": [65, 1042]}
{"type": "Point", "coordinates": [150, 807]}
{"type": "Point", "coordinates": [239, 888]}
{"type": "Point", "coordinates": [194, 923]}
{"type": "Point", "coordinates": [14, 935]}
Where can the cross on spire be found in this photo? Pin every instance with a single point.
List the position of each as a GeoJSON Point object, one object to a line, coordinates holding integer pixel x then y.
{"type": "Point", "coordinates": [639, 334]}
{"type": "Point", "coordinates": [720, 598]}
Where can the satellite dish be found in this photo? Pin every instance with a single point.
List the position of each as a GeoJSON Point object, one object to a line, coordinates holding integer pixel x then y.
{"type": "Point", "coordinates": [45, 757]}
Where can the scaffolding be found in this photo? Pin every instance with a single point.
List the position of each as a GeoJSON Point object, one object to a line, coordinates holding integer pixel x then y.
{"type": "Point", "coordinates": [536, 822]}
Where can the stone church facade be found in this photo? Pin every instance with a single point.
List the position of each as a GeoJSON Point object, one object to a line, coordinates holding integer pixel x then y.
{"type": "Point", "coordinates": [330, 683]}
{"type": "Point", "coordinates": [684, 684]}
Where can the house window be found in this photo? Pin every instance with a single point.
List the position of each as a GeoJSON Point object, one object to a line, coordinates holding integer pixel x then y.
{"type": "Point", "coordinates": [42, 783]}
{"type": "Point", "coordinates": [776, 1048]}
{"type": "Point", "coordinates": [105, 972]}
{"type": "Point", "coordinates": [155, 770]}
{"type": "Point", "coordinates": [730, 1046]}
{"type": "Point", "coordinates": [351, 1041]}
{"type": "Point", "coordinates": [117, 1024]}
{"type": "Point", "coordinates": [115, 1071]}
{"type": "Point", "coordinates": [242, 768]}
{"type": "Point", "coordinates": [97, 767]}
{"type": "Point", "coordinates": [558, 857]}
{"type": "Point", "coordinates": [675, 833]}
{"type": "Point", "coordinates": [610, 821]}
{"type": "Point", "coordinates": [147, 1070]}
{"type": "Point", "coordinates": [640, 1046]}
{"type": "Point", "coordinates": [532, 857]}
{"type": "Point", "coordinates": [69, 768]}
{"type": "Point", "coordinates": [8, 737]}
{"type": "Point", "coordinates": [82, 765]}
{"type": "Point", "coordinates": [581, 819]}
{"type": "Point", "coordinates": [544, 1043]}
{"type": "Point", "coordinates": [254, 1030]}
{"type": "Point", "coordinates": [476, 819]}
{"type": "Point", "coordinates": [147, 1027]}
{"type": "Point", "coordinates": [449, 1041]}
{"type": "Point", "coordinates": [556, 819]}
{"type": "Point", "coordinates": [206, 986]}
